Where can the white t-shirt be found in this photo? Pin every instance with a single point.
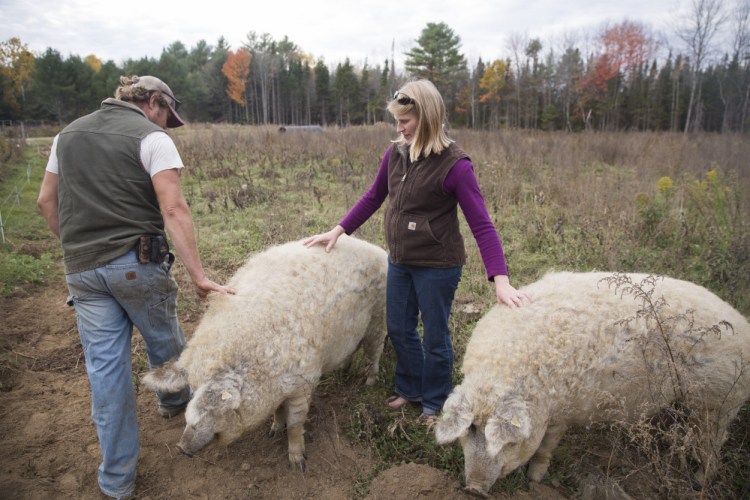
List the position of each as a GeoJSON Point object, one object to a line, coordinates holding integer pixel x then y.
{"type": "Point", "coordinates": [158, 153]}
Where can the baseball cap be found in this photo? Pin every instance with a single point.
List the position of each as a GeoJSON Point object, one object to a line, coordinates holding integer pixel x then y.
{"type": "Point", "coordinates": [153, 83]}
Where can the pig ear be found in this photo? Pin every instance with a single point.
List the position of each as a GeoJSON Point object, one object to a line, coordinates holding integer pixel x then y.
{"type": "Point", "coordinates": [511, 423]}
{"type": "Point", "coordinates": [230, 397]}
{"type": "Point", "coordinates": [226, 392]}
{"type": "Point", "coordinates": [455, 418]}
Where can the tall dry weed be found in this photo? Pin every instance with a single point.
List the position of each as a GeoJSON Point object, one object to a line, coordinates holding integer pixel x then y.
{"type": "Point", "coordinates": [666, 452]}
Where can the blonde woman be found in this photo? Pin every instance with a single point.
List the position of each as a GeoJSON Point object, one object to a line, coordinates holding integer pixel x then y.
{"type": "Point", "coordinates": [425, 176]}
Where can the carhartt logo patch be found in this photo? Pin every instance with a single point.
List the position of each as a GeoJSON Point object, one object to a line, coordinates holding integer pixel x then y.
{"type": "Point", "coordinates": [130, 275]}
{"type": "Point", "coordinates": [412, 226]}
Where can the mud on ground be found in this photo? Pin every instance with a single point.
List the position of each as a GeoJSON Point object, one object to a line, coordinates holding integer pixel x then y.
{"type": "Point", "coordinates": [49, 448]}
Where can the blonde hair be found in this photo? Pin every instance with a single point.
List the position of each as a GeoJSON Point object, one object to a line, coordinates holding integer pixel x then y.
{"type": "Point", "coordinates": [128, 91]}
{"type": "Point", "coordinates": [427, 104]}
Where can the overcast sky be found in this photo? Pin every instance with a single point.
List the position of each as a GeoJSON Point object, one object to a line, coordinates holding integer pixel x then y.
{"type": "Point", "coordinates": [328, 29]}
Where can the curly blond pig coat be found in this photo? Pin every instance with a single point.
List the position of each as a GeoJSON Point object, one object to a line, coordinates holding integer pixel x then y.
{"type": "Point", "coordinates": [594, 347]}
{"type": "Point", "coordinates": [298, 314]}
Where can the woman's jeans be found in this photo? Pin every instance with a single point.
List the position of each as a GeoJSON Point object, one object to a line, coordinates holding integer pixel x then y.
{"type": "Point", "coordinates": [424, 368]}
{"type": "Point", "coordinates": [108, 301]}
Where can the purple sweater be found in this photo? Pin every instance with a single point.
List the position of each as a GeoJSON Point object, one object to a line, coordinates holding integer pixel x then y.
{"type": "Point", "coordinates": [461, 183]}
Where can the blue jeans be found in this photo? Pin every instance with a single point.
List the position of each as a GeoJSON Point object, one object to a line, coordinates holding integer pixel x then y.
{"type": "Point", "coordinates": [108, 301]}
{"type": "Point", "coordinates": [424, 367]}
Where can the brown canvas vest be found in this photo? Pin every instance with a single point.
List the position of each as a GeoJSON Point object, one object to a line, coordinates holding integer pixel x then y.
{"type": "Point", "coordinates": [421, 220]}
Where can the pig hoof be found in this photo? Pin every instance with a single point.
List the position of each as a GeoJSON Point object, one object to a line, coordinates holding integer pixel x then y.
{"type": "Point", "coordinates": [299, 464]}
{"type": "Point", "coordinates": [297, 461]}
{"type": "Point", "coordinates": [184, 451]}
{"type": "Point", "coordinates": [536, 472]}
{"type": "Point", "coordinates": [475, 492]}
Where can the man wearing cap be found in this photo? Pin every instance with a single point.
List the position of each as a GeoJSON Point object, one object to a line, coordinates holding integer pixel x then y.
{"type": "Point", "coordinates": [111, 188]}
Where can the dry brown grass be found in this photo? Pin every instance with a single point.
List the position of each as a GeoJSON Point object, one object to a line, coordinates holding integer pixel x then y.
{"type": "Point", "coordinates": [632, 202]}
{"type": "Point", "coordinates": [562, 201]}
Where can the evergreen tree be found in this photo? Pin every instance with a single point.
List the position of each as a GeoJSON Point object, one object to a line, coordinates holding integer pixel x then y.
{"type": "Point", "coordinates": [322, 93]}
{"type": "Point", "coordinates": [106, 80]}
{"type": "Point", "coordinates": [437, 58]}
{"type": "Point", "coordinates": [218, 105]}
{"type": "Point", "coordinates": [196, 97]}
{"type": "Point", "coordinates": [532, 82]}
{"type": "Point", "coordinates": [569, 73]}
{"type": "Point", "coordinates": [80, 77]}
{"type": "Point", "coordinates": [346, 92]}
{"type": "Point", "coordinates": [384, 93]}
{"type": "Point", "coordinates": [51, 94]}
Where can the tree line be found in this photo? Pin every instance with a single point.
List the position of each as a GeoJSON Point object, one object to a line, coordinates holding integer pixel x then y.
{"type": "Point", "coordinates": [618, 83]}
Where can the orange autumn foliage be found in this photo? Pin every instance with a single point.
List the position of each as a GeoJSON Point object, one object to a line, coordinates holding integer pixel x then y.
{"type": "Point", "coordinates": [237, 68]}
{"type": "Point", "coordinates": [493, 81]}
{"type": "Point", "coordinates": [624, 48]}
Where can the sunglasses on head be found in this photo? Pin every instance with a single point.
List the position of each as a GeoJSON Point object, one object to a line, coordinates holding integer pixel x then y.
{"type": "Point", "coordinates": [175, 102]}
{"type": "Point", "coordinates": [403, 100]}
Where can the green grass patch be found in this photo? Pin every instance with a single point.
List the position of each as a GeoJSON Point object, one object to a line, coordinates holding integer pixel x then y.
{"type": "Point", "coordinates": [17, 269]}
{"type": "Point", "coordinates": [29, 253]}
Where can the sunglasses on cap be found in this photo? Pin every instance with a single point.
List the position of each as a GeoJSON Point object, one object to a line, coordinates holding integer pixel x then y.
{"type": "Point", "coordinates": [404, 100]}
{"type": "Point", "coordinates": [175, 102]}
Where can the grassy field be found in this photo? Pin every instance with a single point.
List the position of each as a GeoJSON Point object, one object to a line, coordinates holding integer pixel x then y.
{"type": "Point", "coordinates": [666, 204]}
